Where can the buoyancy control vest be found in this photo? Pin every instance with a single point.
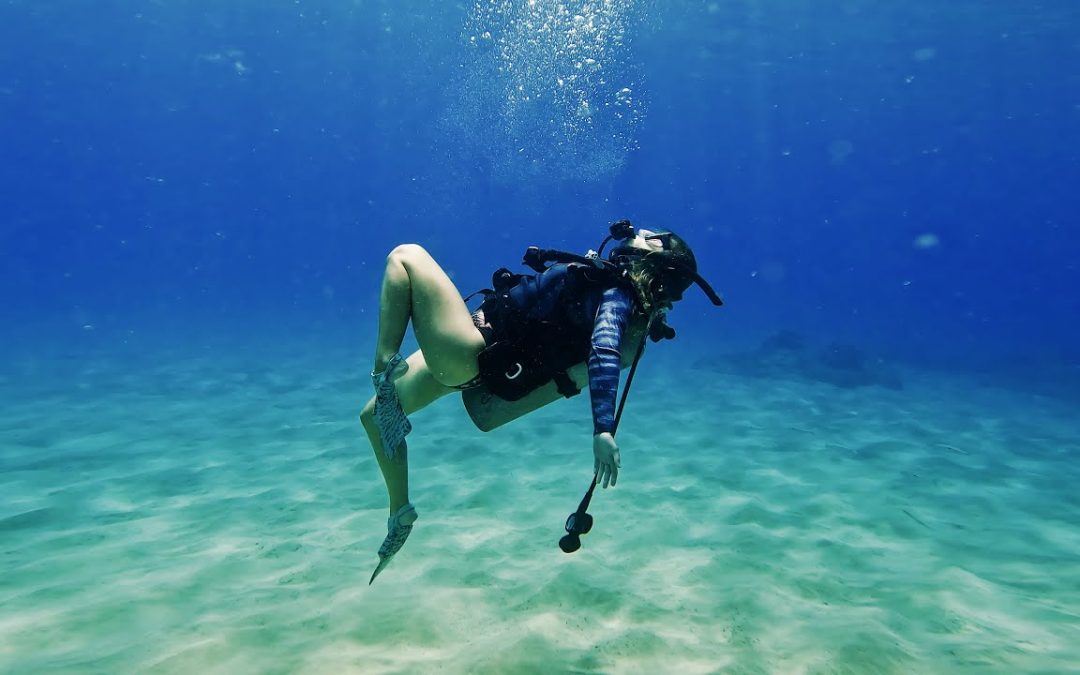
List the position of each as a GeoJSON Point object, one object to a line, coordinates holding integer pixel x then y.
{"type": "Point", "coordinates": [542, 325]}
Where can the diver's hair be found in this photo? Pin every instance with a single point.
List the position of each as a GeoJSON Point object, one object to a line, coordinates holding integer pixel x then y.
{"type": "Point", "coordinates": [654, 280]}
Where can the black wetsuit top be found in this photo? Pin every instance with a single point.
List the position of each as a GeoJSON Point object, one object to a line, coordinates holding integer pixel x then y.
{"type": "Point", "coordinates": [603, 312]}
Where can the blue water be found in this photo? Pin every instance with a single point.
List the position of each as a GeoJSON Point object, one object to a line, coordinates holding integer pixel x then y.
{"type": "Point", "coordinates": [185, 180]}
{"type": "Point", "coordinates": [169, 160]}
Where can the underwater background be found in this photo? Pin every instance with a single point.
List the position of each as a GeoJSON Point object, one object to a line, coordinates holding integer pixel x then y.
{"type": "Point", "coordinates": [865, 462]}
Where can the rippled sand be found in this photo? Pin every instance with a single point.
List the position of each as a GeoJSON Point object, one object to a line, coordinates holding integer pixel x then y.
{"type": "Point", "coordinates": [221, 514]}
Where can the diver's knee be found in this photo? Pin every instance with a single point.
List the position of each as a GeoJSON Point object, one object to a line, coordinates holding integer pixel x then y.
{"type": "Point", "coordinates": [367, 415]}
{"type": "Point", "coordinates": [405, 252]}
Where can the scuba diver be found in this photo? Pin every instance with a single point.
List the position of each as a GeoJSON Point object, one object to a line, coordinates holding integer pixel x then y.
{"type": "Point", "coordinates": [535, 338]}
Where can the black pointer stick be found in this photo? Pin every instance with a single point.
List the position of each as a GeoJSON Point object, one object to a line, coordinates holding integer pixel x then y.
{"type": "Point", "coordinates": [580, 522]}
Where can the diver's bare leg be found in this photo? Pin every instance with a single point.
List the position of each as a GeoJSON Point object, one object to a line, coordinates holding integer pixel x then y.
{"type": "Point", "coordinates": [395, 308]}
{"type": "Point", "coordinates": [416, 389]}
{"type": "Point", "coordinates": [415, 287]}
{"type": "Point", "coordinates": [395, 471]}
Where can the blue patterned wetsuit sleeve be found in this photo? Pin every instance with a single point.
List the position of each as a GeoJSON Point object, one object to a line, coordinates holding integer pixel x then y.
{"type": "Point", "coordinates": [616, 306]}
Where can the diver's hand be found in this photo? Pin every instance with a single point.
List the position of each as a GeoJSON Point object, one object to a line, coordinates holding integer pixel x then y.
{"type": "Point", "coordinates": [607, 458]}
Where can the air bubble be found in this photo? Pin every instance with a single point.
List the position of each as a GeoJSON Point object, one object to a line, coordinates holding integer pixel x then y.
{"type": "Point", "coordinates": [537, 106]}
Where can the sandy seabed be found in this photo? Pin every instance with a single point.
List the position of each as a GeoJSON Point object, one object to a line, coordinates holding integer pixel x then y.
{"type": "Point", "coordinates": [221, 514]}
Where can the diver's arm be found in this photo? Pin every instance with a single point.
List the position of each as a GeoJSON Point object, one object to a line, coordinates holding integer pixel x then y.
{"type": "Point", "coordinates": [605, 358]}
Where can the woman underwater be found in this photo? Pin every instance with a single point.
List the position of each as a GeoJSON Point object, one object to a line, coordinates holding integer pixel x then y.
{"type": "Point", "coordinates": [532, 340]}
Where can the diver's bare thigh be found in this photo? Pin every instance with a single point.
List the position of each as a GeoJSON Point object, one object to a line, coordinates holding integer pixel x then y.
{"type": "Point", "coordinates": [441, 320]}
{"type": "Point", "coordinates": [417, 388]}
